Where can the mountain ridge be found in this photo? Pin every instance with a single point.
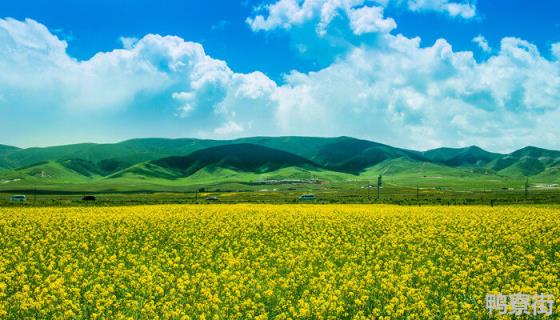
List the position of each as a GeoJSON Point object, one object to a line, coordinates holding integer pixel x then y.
{"type": "Point", "coordinates": [240, 157]}
{"type": "Point", "coordinates": [162, 159]}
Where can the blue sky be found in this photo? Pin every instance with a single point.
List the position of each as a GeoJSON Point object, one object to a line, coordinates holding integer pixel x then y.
{"type": "Point", "coordinates": [76, 71]}
{"type": "Point", "coordinates": [94, 26]}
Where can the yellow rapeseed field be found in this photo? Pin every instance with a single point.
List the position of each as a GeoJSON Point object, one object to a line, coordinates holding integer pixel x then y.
{"type": "Point", "coordinates": [273, 261]}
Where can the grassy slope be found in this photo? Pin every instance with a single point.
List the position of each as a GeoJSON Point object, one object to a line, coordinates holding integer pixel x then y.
{"type": "Point", "coordinates": [243, 157]}
{"type": "Point", "coordinates": [340, 154]}
{"type": "Point", "coordinates": [106, 167]}
{"type": "Point", "coordinates": [455, 157]}
{"type": "Point", "coordinates": [524, 167]}
{"type": "Point", "coordinates": [530, 161]}
{"type": "Point", "coordinates": [46, 175]}
{"type": "Point", "coordinates": [130, 151]}
{"type": "Point", "coordinates": [214, 175]}
{"type": "Point", "coordinates": [5, 148]}
{"type": "Point", "coordinates": [4, 152]}
{"type": "Point", "coordinates": [397, 172]}
{"type": "Point", "coordinates": [240, 163]}
{"type": "Point", "coordinates": [130, 181]}
{"type": "Point", "coordinates": [535, 152]}
{"type": "Point", "coordinates": [405, 172]}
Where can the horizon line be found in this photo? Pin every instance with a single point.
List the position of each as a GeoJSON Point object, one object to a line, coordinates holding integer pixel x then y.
{"type": "Point", "coordinates": [266, 136]}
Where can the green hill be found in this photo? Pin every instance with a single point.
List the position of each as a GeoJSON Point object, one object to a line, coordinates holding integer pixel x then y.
{"type": "Point", "coordinates": [4, 148]}
{"type": "Point", "coordinates": [83, 167]}
{"type": "Point", "coordinates": [456, 157]}
{"type": "Point", "coordinates": [240, 163]}
{"type": "Point", "coordinates": [4, 152]}
{"type": "Point", "coordinates": [525, 166]}
{"type": "Point", "coordinates": [535, 152]}
{"type": "Point", "coordinates": [339, 154]}
{"type": "Point", "coordinates": [165, 164]}
{"type": "Point", "coordinates": [529, 161]}
{"type": "Point", "coordinates": [502, 163]}
{"type": "Point", "coordinates": [343, 154]}
{"type": "Point", "coordinates": [243, 157]}
{"type": "Point", "coordinates": [110, 157]}
{"type": "Point", "coordinates": [41, 174]}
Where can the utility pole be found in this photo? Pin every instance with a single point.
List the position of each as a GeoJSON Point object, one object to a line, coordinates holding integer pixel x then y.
{"type": "Point", "coordinates": [369, 191]}
{"type": "Point", "coordinates": [526, 187]}
{"type": "Point", "coordinates": [379, 183]}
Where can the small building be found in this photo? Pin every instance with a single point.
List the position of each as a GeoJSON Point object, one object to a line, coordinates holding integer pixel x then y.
{"type": "Point", "coordinates": [18, 198]}
{"type": "Point", "coordinates": [89, 198]}
{"type": "Point", "coordinates": [212, 199]}
{"type": "Point", "coordinates": [307, 197]}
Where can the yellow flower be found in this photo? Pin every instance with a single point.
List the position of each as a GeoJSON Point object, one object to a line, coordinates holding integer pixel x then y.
{"type": "Point", "coordinates": [282, 261]}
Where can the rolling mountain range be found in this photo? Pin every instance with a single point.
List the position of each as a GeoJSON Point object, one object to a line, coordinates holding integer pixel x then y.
{"type": "Point", "coordinates": [165, 163]}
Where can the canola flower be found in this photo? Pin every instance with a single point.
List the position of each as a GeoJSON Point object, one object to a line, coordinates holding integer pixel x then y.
{"type": "Point", "coordinates": [273, 261]}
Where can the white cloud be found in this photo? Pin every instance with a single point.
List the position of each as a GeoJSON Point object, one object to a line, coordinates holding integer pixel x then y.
{"type": "Point", "coordinates": [369, 20]}
{"type": "Point", "coordinates": [414, 96]}
{"type": "Point", "coordinates": [229, 129]}
{"type": "Point", "coordinates": [395, 91]}
{"type": "Point", "coordinates": [128, 42]}
{"type": "Point", "coordinates": [481, 41]}
{"type": "Point", "coordinates": [364, 18]}
{"type": "Point", "coordinates": [285, 14]}
{"type": "Point", "coordinates": [187, 100]}
{"type": "Point", "coordinates": [555, 49]}
{"type": "Point", "coordinates": [29, 53]}
{"type": "Point", "coordinates": [463, 10]}
{"type": "Point", "coordinates": [38, 73]}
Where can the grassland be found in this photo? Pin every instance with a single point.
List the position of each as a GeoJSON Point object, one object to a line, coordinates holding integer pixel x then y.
{"type": "Point", "coordinates": [276, 169]}
{"type": "Point", "coordinates": [431, 190]}
{"type": "Point", "coordinates": [272, 261]}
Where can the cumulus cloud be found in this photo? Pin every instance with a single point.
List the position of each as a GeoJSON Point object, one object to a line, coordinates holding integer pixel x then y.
{"type": "Point", "coordinates": [324, 30]}
{"type": "Point", "coordinates": [128, 42]}
{"type": "Point", "coordinates": [363, 17]}
{"type": "Point", "coordinates": [286, 14]}
{"type": "Point", "coordinates": [395, 91]}
{"type": "Point", "coordinates": [38, 72]}
{"type": "Point", "coordinates": [482, 43]}
{"type": "Point", "coordinates": [463, 10]}
{"type": "Point", "coordinates": [555, 49]}
{"type": "Point", "coordinates": [428, 96]}
{"type": "Point", "coordinates": [369, 20]}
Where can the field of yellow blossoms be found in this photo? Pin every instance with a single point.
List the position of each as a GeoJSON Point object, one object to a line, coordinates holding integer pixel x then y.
{"type": "Point", "coordinates": [273, 261]}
